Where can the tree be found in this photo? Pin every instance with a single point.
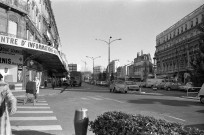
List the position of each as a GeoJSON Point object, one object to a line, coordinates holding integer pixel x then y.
{"type": "Point", "coordinates": [197, 74]}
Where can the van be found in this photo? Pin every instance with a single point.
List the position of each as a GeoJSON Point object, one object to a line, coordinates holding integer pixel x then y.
{"type": "Point", "coordinates": [152, 82]}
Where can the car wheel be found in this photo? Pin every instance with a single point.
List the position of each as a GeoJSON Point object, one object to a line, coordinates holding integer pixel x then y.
{"type": "Point", "coordinates": [202, 99]}
{"type": "Point", "coordinates": [168, 88]}
{"type": "Point", "coordinates": [125, 91]}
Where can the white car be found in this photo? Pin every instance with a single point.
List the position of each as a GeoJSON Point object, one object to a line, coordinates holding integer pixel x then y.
{"type": "Point", "coordinates": [132, 85]}
{"type": "Point", "coordinates": [201, 94]}
{"type": "Point", "coordinates": [118, 86]}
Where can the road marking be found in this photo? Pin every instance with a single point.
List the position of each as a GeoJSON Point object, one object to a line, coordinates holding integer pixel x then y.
{"type": "Point", "coordinates": [41, 104]}
{"type": "Point", "coordinates": [112, 99]}
{"type": "Point", "coordinates": [32, 118]}
{"type": "Point", "coordinates": [96, 98]}
{"type": "Point", "coordinates": [85, 98]}
{"type": "Point", "coordinates": [37, 128]}
{"type": "Point", "coordinates": [41, 101]}
{"type": "Point", "coordinates": [173, 117]}
{"type": "Point", "coordinates": [34, 112]}
{"type": "Point", "coordinates": [34, 107]}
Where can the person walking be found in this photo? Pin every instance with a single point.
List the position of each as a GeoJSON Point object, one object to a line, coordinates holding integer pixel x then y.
{"type": "Point", "coordinates": [37, 82]}
{"type": "Point", "coordinates": [8, 106]}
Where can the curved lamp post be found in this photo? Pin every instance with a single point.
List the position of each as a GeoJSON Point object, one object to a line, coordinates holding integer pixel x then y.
{"type": "Point", "coordinates": [109, 43]}
{"type": "Point", "coordinates": [93, 58]}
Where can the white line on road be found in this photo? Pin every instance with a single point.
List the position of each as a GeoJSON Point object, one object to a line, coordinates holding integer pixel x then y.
{"type": "Point", "coordinates": [96, 98]}
{"type": "Point", "coordinates": [34, 112]}
{"type": "Point", "coordinates": [31, 118]}
{"type": "Point", "coordinates": [37, 128]}
{"type": "Point", "coordinates": [173, 117]}
{"type": "Point", "coordinates": [34, 107]}
{"type": "Point", "coordinates": [111, 99]}
{"type": "Point", "coordinates": [41, 104]}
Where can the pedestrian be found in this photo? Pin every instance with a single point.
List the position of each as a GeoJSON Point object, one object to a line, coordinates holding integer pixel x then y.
{"type": "Point", "coordinates": [7, 107]}
{"type": "Point", "coordinates": [53, 83]}
{"type": "Point", "coordinates": [37, 83]}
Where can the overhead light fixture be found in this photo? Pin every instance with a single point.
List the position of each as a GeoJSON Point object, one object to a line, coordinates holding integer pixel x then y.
{"type": "Point", "coordinates": [31, 62]}
{"type": "Point", "coordinates": [5, 69]}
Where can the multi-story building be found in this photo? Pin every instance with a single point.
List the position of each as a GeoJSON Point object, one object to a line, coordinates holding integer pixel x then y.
{"type": "Point", "coordinates": [29, 42]}
{"type": "Point", "coordinates": [177, 46]}
{"type": "Point", "coordinates": [72, 67]}
{"type": "Point", "coordinates": [112, 68]}
{"type": "Point", "coordinates": [97, 71]}
{"type": "Point", "coordinates": [143, 67]}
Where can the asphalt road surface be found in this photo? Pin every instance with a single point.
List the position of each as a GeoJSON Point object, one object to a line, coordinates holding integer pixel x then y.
{"type": "Point", "coordinates": [57, 110]}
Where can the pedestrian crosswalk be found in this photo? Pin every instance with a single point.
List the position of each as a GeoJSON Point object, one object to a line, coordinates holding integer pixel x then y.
{"type": "Point", "coordinates": [37, 119]}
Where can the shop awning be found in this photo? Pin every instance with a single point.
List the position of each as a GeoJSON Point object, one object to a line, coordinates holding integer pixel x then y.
{"type": "Point", "coordinates": [49, 61]}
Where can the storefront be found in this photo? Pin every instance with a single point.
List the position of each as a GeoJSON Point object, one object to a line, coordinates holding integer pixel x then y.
{"type": "Point", "coordinates": [22, 60]}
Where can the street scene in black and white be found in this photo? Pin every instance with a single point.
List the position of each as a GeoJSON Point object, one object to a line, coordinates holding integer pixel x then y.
{"type": "Point", "coordinates": [101, 67]}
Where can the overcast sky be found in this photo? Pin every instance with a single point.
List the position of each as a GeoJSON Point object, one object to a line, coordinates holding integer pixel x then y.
{"type": "Point", "coordinates": [137, 22]}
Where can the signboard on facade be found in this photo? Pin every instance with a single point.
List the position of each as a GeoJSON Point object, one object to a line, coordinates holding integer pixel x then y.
{"type": "Point", "coordinates": [14, 59]}
{"type": "Point", "coordinates": [28, 44]}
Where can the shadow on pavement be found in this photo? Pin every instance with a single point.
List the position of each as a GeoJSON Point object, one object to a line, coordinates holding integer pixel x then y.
{"type": "Point", "coordinates": [30, 132]}
{"type": "Point", "coordinates": [166, 102]}
{"type": "Point", "coordinates": [85, 90]}
{"type": "Point", "coordinates": [199, 126]}
{"type": "Point", "coordinates": [200, 111]}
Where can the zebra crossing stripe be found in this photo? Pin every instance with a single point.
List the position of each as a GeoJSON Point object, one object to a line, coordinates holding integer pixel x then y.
{"type": "Point", "coordinates": [34, 107]}
{"type": "Point", "coordinates": [34, 112]}
{"type": "Point", "coordinates": [41, 104]}
{"type": "Point", "coordinates": [37, 128]}
{"type": "Point", "coordinates": [31, 118]}
{"type": "Point", "coordinates": [42, 101]}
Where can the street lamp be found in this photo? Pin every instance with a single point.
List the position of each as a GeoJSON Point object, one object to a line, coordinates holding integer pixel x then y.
{"type": "Point", "coordinates": [93, 58]}
{"type": "Point", "coordinates": [109, 43]}
{"type": "Point", "coordinates": [85, 64]}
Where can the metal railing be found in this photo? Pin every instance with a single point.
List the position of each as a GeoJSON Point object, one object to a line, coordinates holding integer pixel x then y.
{"type": "Point", "coordinates": [191, 88]}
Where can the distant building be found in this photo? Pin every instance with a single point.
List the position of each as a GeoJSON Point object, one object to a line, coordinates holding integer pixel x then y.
{"type": "Point", "coordinates": [143, 67]}
{"type": "Point", "coordinates": [72, 67]}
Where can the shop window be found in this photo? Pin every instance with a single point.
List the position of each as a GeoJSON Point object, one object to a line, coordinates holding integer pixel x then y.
{"type": "Point", "coordinates": [12, 28]}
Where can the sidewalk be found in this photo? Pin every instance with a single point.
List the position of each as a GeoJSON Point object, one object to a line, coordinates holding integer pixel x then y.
{"type": "Point", "coordinates": [43, 92]}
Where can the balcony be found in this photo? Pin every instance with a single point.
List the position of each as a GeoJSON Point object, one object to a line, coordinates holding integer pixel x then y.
{"type": "Point", "coordinates": [16, 5]}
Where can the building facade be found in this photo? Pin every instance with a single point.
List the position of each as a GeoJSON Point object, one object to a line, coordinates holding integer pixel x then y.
{"type": "Point", "coordinates": [143, 67]}
{"type": "Point", "coordinates": [177, 46]}
{"type": "Point", "coordinates": [29, 42]}
{"type": "Point", "coordinates": [72, 67]}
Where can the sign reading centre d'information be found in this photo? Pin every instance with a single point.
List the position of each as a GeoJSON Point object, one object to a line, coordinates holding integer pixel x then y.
{"type": "Point", "coordinates": [27, 44]}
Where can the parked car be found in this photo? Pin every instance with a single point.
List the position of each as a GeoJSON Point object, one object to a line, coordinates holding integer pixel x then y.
{"type": "Point", "coordinates": [143, 84]}
{"type": "Point", "coordinates": [132, 85]}
{"type": "Point", "coordinates": [172, 86]}
{"type": "Point", "coordinates": [104, 83]}
{"type": "Point", "coordinates": [201, 94]}
{"type": "Point", "coordinates": [161, 85]}
{"type": "Point", "coordinates": [150, 83]}
{"type": "Point", "coordinates": [118, 86]}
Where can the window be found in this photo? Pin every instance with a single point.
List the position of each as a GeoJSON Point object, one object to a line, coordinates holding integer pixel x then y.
{"type": "Point", "coordinates": [181, 29]}
{"type": "Point", "coordinates": [12, 28]}
{"type": "Point", "coordinates": [185, 26]}
{"type": "Point", "coordinates": [196, 21]}
{"type": "Point", "coordinates": [177, 31]}
{"type": "Point", "coordinates": [191, 24]}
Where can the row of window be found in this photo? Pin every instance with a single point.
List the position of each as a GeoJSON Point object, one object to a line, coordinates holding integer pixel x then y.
{"type": "Point", "coordinates": [188, 25]}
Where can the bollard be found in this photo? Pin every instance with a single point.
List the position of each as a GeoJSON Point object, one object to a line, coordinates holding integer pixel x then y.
{"type": "Point", "coordinates": [81, 121]}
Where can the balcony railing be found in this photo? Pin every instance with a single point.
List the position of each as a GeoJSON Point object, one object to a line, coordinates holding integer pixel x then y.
{"type": "Point", "coordinates": [19, 5]}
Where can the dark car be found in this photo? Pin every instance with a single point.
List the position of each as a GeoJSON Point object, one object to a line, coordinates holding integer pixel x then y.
{"type": "Point", "coordinates": [172, 86]}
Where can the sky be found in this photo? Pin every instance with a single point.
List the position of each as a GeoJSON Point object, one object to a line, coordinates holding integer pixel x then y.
{"type": "Point", "coordinates": [136, 22]}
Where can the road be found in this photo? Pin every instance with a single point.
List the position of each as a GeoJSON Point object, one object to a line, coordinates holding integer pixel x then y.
{"type": "Point", "coordinates": [168, 105]}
